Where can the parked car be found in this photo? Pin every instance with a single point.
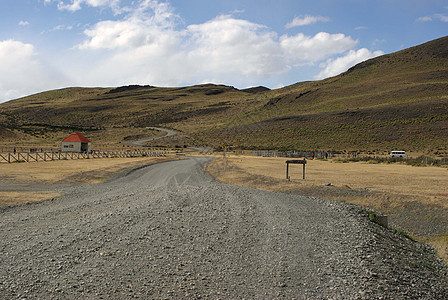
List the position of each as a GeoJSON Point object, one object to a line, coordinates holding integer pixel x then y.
{"type": "Point", "coordinates": [398, 153]}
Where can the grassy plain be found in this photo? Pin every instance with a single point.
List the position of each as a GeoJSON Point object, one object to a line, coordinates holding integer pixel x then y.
{"type": "Point", "coordinates": [35, 181]}
{"type": "Point", "coordinates": [414, 198]}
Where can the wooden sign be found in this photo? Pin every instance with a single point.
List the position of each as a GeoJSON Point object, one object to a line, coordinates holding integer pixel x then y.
{"type": "Point", "coordinates": [295, 161]}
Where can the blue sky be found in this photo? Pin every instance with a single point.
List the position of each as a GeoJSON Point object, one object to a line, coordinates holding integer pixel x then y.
{"type": "Point", "coordinates": [49, 44]}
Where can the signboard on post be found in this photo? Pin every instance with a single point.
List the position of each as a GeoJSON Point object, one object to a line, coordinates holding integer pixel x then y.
{"type": "Point", "coordinates": [295, 161]}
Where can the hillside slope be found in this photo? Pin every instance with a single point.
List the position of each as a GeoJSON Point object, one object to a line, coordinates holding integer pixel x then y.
{"type": "Point", "coordinates": [399, 100]}
{"type": "Point", "coordinates": [124, 106]}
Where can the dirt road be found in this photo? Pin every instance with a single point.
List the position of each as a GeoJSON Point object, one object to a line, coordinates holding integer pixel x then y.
{"type": "Point", "coordinates": [141, 143]}
{"type": "Point", "coordinates": [170, 231]}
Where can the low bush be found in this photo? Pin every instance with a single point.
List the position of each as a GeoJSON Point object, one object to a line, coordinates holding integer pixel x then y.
{"type": "Point", "coordinates": [420, 161]}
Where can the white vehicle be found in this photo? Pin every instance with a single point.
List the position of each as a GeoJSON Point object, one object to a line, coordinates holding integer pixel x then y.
{"type": "Point", "coordinates": [398, 153]}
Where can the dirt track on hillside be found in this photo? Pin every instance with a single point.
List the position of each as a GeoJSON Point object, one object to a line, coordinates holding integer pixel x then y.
{"type": "Point", "coordinates": [170, 231]}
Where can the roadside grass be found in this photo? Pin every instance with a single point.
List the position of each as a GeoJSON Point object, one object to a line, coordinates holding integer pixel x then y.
{"type": "Point", "coordinates": [34, 175]}
{"type": "Point", "coordinates": [440, 243]}
{"type": "Point", "coordinates": [21, 197]}
{"type": "Point", "coordinates": [375, 218]}
{"type": "Point", "coordinates": [396, 190]}
{"type": "Point", "coordinates": [421, 161]}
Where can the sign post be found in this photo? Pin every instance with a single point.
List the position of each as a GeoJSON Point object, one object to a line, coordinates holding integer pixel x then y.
{"type": "Point", "coordinates": [295, 161]}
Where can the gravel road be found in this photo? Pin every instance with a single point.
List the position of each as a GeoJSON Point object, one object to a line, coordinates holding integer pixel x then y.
{"type": "Point", "coordinates": [141, 143]}
{"type": "Point", "coordinates": [171, 231]}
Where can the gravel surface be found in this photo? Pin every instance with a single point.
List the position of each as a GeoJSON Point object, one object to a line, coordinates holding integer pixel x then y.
{"type": "Point", "coordinates": [170, 231]}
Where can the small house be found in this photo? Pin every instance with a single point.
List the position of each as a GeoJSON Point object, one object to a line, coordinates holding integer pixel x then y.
{"type": "Point", "coordinates": [76, 142]}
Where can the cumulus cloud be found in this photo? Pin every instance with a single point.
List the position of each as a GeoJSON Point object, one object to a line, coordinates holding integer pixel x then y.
{"type": "Point", "coordinates": [302, 49]}
{"type": "Point", "coordinates": [22, 72]}
{"type": "Point", "coordinates": [149, 44]}
{"type": "Point", "coordinates": [146, 45]}
{"type": "Point", "coordinates": [24, 23]}
{"type": "Point", "coordinates": [137, 29]}
{"type": "Point", "coordinates": [75, 5]}
{"type": "Point", "coordinates": [307, 20]}
{"type": "Point", "coordinates": [341, 64]}
{"type": "Point", "coordinates": [229, 45]}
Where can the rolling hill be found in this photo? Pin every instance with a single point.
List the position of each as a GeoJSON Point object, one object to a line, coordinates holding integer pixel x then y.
{"type": "Point", "coordinates": [395, 101]}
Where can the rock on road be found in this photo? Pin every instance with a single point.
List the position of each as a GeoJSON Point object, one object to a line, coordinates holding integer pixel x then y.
{"type": "Point", "coordinates": [170, 231]}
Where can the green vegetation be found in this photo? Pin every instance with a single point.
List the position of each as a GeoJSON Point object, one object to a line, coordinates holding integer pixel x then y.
{"type": "Point", "coordinates": [373, 217]}
{"type": "Point", "coordinates": [402, 233]}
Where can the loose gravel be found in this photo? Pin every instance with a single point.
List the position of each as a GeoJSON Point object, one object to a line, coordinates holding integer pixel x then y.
{"type": "Point", "coordinates": [171, 231]}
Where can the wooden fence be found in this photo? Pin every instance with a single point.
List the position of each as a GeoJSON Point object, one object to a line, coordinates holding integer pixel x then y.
{"type": "Point", "coordinates": [293, 154]}
{"type": "Point", "coordinates": [11, 157]}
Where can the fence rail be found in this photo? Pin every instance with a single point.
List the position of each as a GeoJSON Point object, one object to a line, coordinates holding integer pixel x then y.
{"type": "Point", "coordinates": [11, 157]}
{"type": "Point", "coordinates": [292, 154]}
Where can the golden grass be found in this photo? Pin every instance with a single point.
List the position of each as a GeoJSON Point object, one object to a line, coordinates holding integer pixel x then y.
{"type": "Point", "coordinates": [88, 171]}
{"type": "Point", "coordinates": [428, 184]}
{"type": "Point", "coordinates": [69, 170]}
{"type": "Point", "coordinates": [18, 197]}
{"type": "Point", "coordinates": [440, 243]}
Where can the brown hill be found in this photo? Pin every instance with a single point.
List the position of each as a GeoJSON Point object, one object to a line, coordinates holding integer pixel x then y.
{"type": "Point", "coordinates": [398, 100]}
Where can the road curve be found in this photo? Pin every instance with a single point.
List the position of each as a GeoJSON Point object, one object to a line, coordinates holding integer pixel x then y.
{"type": "Point", "coordinates": [141, 143]}
{"type": "Point", "coordinates": [171, 231]}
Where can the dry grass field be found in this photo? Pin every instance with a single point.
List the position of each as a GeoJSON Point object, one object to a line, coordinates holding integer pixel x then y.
{"type": "Point", "coordinates": [35, 181]}
{"type": "Point", "coordinates": [414, 198]}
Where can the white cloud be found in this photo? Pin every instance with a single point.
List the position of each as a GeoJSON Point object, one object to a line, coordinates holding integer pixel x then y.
{"type": "Point", "coordinates": [24, 23]}
{"type": "Point", "coordinates": [145, 45]}
{"type": "Point", "coordinates": [115, 34]}
{"type": "Point", "coordinates": [424, 19]}
{"type": "Point", "coordinates": [139, 28]}
{"type": "Point", "coordinates": [148, 44]}
{"type": "Point", "coordinates": [307, 20]}
{"type": "Point", "coordinates": [301, 49]}
{"type": "Point", "coordinates": [341, 64]}
{"type": "Point", "coordinates": [228, 45]}
{"type": "Point", "coordinates": [439, 17]}
{"type": "Point", "coordinates": [61, 27]}
{"type": "Point", "coordinates": [75, 5]}
{"type": "Point", "coordinates": [22, 72]}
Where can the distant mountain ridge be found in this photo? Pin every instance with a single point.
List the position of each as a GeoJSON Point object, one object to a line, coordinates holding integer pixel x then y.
{"type": "Point", "coordinates": [398, 100]}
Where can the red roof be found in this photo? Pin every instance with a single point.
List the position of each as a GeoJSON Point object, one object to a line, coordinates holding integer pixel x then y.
{"type": "Point", "coordinates": [76, 137]}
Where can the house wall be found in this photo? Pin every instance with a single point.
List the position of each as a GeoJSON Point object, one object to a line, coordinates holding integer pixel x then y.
{"type": "Point", "coordinates": [71, 147]}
